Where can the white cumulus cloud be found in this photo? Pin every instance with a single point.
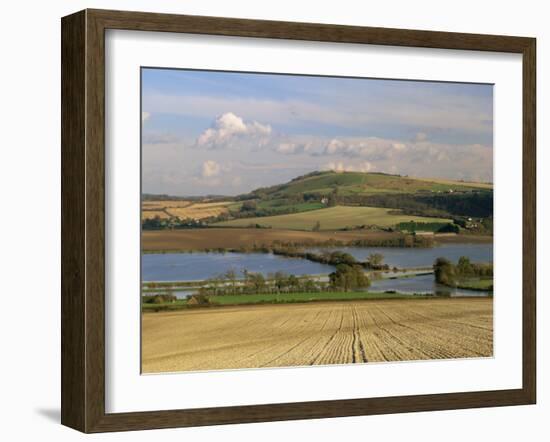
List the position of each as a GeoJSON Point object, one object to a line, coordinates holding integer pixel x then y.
{"type": "Point", "coordinates": [335, 146]}
{"type": "Point", "coordinates": [340, 166]}
{"type": "Point", "coordinates": [228, 128]}
{"type": "Point", "coordinates": [371, 148]}
{"type": "Point", "coordinates": [290, 148]}
{"type": "Point", "coordinates": [145, 116]}
{"type": "Point", "coordinates": [210, 169]}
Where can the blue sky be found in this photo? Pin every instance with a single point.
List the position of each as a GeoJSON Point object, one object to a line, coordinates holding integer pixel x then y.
{"type": "Point", "coordinates": [227, 133]}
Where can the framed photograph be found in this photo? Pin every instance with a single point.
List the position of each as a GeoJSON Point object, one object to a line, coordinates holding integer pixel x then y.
{"type": "Point", "coordinates": [269, 221]}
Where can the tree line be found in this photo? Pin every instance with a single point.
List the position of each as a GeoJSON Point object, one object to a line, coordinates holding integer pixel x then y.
{"type": "Point", "coordinates": [449, 274]}
{"type": "Point", "coordinates": [478, 203]}
{"type": "Point", "coordinates": [345, 278]}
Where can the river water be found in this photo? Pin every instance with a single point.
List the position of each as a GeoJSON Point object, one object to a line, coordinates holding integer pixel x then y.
{"type": "Point", "coordinates": [420, 285]}
{"type": "Point", "coordinates": [421, 257]}
{"type": "Point", "coordinates": [202, 265]}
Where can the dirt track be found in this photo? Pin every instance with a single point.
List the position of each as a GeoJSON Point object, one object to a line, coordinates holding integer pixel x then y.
{"type": "Point", "coordinates": [317, 334]}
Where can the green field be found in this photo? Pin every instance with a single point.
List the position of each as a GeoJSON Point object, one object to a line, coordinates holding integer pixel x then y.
{"type": "Point", "coordinates": [332, 218]}
{"type": "Point", "coordinates": [301, 297]}
{"type": "Point", "coordinates": [280, 204]}
{"type": "Point", "coordinates": [475, 283]}
{"type": "Point", "coordinates": [282, 298]}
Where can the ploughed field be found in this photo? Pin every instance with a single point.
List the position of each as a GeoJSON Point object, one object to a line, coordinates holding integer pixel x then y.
{"type": "Point", "coordinates": [317, 333]}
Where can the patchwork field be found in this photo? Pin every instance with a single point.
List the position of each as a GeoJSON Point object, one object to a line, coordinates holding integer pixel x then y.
{"type": "Point", "coordinates": [199, 210]}
{"type": "Point", "coordinates": [149, 214]}
{"type": "Point", "coordinates": [183, 209]}
{"type": "Point", "coordinates": [162, 204]}
{"type": "Point", "coordinates": [332, 218]}
{"type": "Point", "coordinates": [317, 334]}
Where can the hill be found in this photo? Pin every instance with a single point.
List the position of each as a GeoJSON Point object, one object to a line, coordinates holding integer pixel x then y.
{"type": "Point", "coordinates": [336, 201]}
{"type": "Point", "coordinates": [413, 196]}
{"type": "Point", "coordinates": [359, 183]}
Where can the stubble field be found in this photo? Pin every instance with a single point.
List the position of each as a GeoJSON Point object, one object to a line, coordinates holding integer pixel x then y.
{"type": "Point", "coordinates": [317, 334]}
{"type": "Point", "coordinates": [183, 209]}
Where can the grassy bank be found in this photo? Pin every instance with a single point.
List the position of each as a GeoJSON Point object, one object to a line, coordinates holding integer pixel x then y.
{"type": "Point", "coordinates": [152, 285]}
{"type": "Point", "coordinates": [282, 298]}
{"type": "Point", "coordinates": [481, 284]}
{"type": "Point", "coordinates": [302, 297]}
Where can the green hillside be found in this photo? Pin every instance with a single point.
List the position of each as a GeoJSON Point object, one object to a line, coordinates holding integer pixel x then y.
{"type": "Point", "coordinates": [358, 183]}
{"type": "Point", "coordinates": [436, 198]}
{"type": "Point", "coordinates": [348, 200]}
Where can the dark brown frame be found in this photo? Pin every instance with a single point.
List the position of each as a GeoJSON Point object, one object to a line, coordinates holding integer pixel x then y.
{"type": "Point", "coordinates": [83, 217]}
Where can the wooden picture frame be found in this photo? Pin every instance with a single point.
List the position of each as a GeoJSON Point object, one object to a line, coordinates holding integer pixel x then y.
{"type": "Point", "coordinates": [83, 220]}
